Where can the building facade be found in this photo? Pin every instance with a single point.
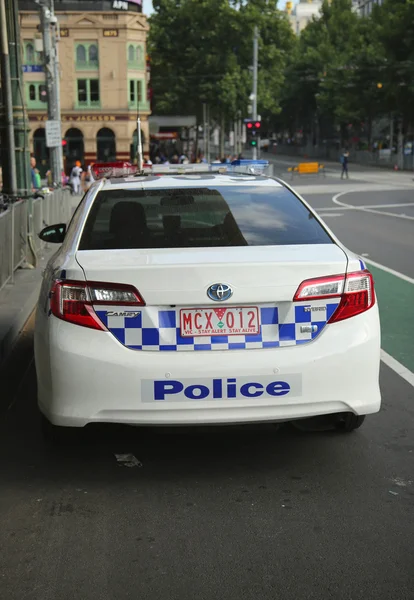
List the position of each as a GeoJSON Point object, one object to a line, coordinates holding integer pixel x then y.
{"type": "Point", "coordinates": [103, 81]}
{"type": "Point", "coordinates": [301, 14]}
{"type": "Point", "coordinates": [364, 7]}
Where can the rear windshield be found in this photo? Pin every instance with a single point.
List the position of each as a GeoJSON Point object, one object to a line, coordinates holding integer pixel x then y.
{"type": "Point", "coordinates": [251, 215]}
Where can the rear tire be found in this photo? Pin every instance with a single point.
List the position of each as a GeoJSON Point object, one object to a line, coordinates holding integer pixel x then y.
{"type": "Point", "coordinates": [344, 422]}
{"type": "Point", "coordinates": [349, 422]}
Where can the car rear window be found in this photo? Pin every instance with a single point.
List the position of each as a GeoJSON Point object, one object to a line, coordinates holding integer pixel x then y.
{"type": "Point", "coordinates": [251, 215]}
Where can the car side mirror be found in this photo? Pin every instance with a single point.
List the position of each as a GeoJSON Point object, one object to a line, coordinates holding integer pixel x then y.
{"type": "Point", "coordinates": [55, 234]}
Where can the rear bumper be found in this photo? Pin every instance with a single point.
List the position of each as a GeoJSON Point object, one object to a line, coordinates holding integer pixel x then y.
{"type": "Point", "coordinates": [87, 376]}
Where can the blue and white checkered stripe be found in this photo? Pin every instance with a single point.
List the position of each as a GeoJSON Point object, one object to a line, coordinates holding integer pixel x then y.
{"type": "Point", "coordinates": [158, 329]}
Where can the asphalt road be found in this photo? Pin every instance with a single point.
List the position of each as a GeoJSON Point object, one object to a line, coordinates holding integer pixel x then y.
{"type": "Point", "coordinates": [227, 513]}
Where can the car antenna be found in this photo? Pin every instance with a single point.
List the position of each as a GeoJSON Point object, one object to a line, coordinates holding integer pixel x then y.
{"type": "Point", "coordinates": [139, 141]}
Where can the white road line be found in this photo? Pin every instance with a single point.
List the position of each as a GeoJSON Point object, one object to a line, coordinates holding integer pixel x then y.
{"type": "Point", "coordinates": [364, 209]}
{"type": "Point", "coordinates": [388, 205]}
{"type": "Point", "coordinates": [328, 208]}
{"type": "Point", "coordinates": [397, 367]}
{"type": "Point", "coordinates": [388, 270]}
{"type": "Point", "coordinates": [352, 206]}
{"type": "Point", "coordinates": [324, 215]}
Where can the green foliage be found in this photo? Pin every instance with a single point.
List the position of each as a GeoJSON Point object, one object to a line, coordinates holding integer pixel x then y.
{"type": "Point", "coordinates": [201, 51]}
{"type": "Point", "coordinates": [350, 69]}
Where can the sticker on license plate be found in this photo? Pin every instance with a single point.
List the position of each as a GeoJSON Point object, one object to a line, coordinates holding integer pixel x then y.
{"type": "Point", "coordinates": [232, 320]}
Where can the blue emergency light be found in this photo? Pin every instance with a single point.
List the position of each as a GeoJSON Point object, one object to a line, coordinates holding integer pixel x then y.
{"type": "Point", "coordinates": [246, 162]}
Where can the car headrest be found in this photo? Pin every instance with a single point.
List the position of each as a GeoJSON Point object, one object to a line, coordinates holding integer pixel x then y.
{"type": "Point", "coordinates": [127, 215]}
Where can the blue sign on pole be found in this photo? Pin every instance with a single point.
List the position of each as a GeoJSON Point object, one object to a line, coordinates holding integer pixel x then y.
{"type": "Point", "coordinates": [33, 69]}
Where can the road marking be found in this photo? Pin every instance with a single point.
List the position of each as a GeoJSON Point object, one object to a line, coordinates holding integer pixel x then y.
{"type": "Point", "coordinates": [327, 208]}
{"type": "Point", "coordinates": [388, 270]}
{"type": "Point", "coordinates": [324, 215]}
{"type": "Point", "coordinates": [398, 205]}
{"type": "Point", "coordinates": [351, 206]}
{"type": "Point", "coordinates": [397, 367]}
{"type": "Point", "coordinates": [364, 209]}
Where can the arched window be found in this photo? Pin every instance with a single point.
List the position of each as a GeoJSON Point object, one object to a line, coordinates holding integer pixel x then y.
{"type": "Point", "coordinates": [131, 53]}
{"type": "Point", "coordinates": [32, 92]}
{"type": "Point", "coordinates": [105, 145]}
{"type": "Point", "coordinates": [29, 54]}
{"type": "Point", "coordinates": [42, 93]}
{"type": "Point", "coordinates": [139, 54]}
{"type": "Point", "coordinates": [93, 53]}
{"type": "Point", "coordinates": [80, 53]}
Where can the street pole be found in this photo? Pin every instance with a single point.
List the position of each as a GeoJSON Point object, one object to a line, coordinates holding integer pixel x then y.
{"type": "Point", "coordinates": [204, 129]}
{"type": "Point", "coordinates": [9, 23]}
{"type": "Point", "coordinates": [208, 134]}
{"type": "Point", "coordinates": [255, 65]}
{"type": "Point", "coordinates": [48, 23]}
{"type": "Point", "coordinates": [240, 130]}
{"type": "Point", "coordinates": [8, 155]}
{"type": "Point", "coordinates": [56, 78]}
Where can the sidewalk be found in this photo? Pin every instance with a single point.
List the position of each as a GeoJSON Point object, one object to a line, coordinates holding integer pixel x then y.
{"type": "Point", "coordinates": [18, 299]}
{"type": "Point", "coordinates": [17, 302]}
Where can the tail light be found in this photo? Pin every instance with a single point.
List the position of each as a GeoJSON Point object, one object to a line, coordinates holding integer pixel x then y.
{"type": "Point", "coordinates": [73, 301]}
{"type": "Point", "coordinates": [355, 290]}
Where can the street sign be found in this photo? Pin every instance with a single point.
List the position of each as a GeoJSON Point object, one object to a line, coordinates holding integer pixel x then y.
{"type": "Point", "coordinates": [32, 68]}
{"type": "Point", "coordinates": [53, 134]}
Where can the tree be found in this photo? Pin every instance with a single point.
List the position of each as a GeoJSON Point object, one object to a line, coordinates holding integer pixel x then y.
{"type": "Point", "coordinates": [348, 71]}
{"type": "Point", "coordinates": [201, 51]}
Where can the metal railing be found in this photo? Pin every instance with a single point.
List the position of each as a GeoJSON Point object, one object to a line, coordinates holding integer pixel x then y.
{"type": "Point", "coordinates": [20, 224]}
{"type": "Point", "coordinates": [359, 157]}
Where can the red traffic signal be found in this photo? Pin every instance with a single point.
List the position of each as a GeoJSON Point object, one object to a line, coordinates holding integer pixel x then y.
{"type": "Point", "coordinates": [252, 125]}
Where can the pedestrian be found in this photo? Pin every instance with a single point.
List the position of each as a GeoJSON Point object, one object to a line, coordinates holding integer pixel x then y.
{"type": "Point", "coordinates": [344, 162]}
{"type": "Point", "coordinates": [36, 183]}
{"type": "Point", "coordinates": [75, 178]}
{"type": "Point", "coordinates": [87, 178]}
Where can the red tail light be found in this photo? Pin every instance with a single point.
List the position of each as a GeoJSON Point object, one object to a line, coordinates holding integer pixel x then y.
{"type": "Point", "coordinates": [355, 290]}
{"type": "Point", "coordinates": [73, 301]}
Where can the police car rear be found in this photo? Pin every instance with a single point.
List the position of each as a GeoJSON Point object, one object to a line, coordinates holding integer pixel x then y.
{"type": "Point", "coordinates": [204, 297]}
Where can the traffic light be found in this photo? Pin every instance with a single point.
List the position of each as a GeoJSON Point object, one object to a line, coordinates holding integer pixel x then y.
{"type": "Point", "coordinates": [253, 127]}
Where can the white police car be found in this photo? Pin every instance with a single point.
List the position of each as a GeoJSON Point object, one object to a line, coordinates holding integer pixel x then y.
{"type": "Point", "coordinates": [191, 296]}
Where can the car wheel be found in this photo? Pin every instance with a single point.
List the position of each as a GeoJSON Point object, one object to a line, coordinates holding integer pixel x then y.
{"type": "Point", "coordinates": [344, 422]}
{"type": "Point", "coordinates": [348, 422]}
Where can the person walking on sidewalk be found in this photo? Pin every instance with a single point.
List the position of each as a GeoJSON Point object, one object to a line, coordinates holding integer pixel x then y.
{"type": "Point", "coordinates": [75, 178]}
{"type": "Point", "coordinates": [344, 161]}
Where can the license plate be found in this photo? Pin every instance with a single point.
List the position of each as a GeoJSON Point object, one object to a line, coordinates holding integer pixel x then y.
{"type": "Point", "coordinates": [234, 320]}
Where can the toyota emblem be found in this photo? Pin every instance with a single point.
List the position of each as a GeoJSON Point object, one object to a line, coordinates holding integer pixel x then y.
{"type": "Point", "coordinates": [219, 292]}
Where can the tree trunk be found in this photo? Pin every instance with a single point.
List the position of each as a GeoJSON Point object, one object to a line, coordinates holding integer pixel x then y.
{"type": "Point", "coordinates": [222, 135]}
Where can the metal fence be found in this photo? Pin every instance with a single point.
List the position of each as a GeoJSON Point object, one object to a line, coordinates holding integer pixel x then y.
{"type": "Point", "coordinates": [21, 222]}
{"type": "Point", "coordinates": [359, 157]}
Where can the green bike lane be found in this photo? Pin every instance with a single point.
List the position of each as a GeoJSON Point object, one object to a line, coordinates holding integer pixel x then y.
{"type": "Point", "coordinates": [396, 306]}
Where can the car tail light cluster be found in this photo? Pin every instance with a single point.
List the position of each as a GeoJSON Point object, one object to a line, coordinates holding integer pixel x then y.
{"type": "Point", "coordinates": [73, 301]}
{"type": "Point", "coordinates": [355, 290]}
